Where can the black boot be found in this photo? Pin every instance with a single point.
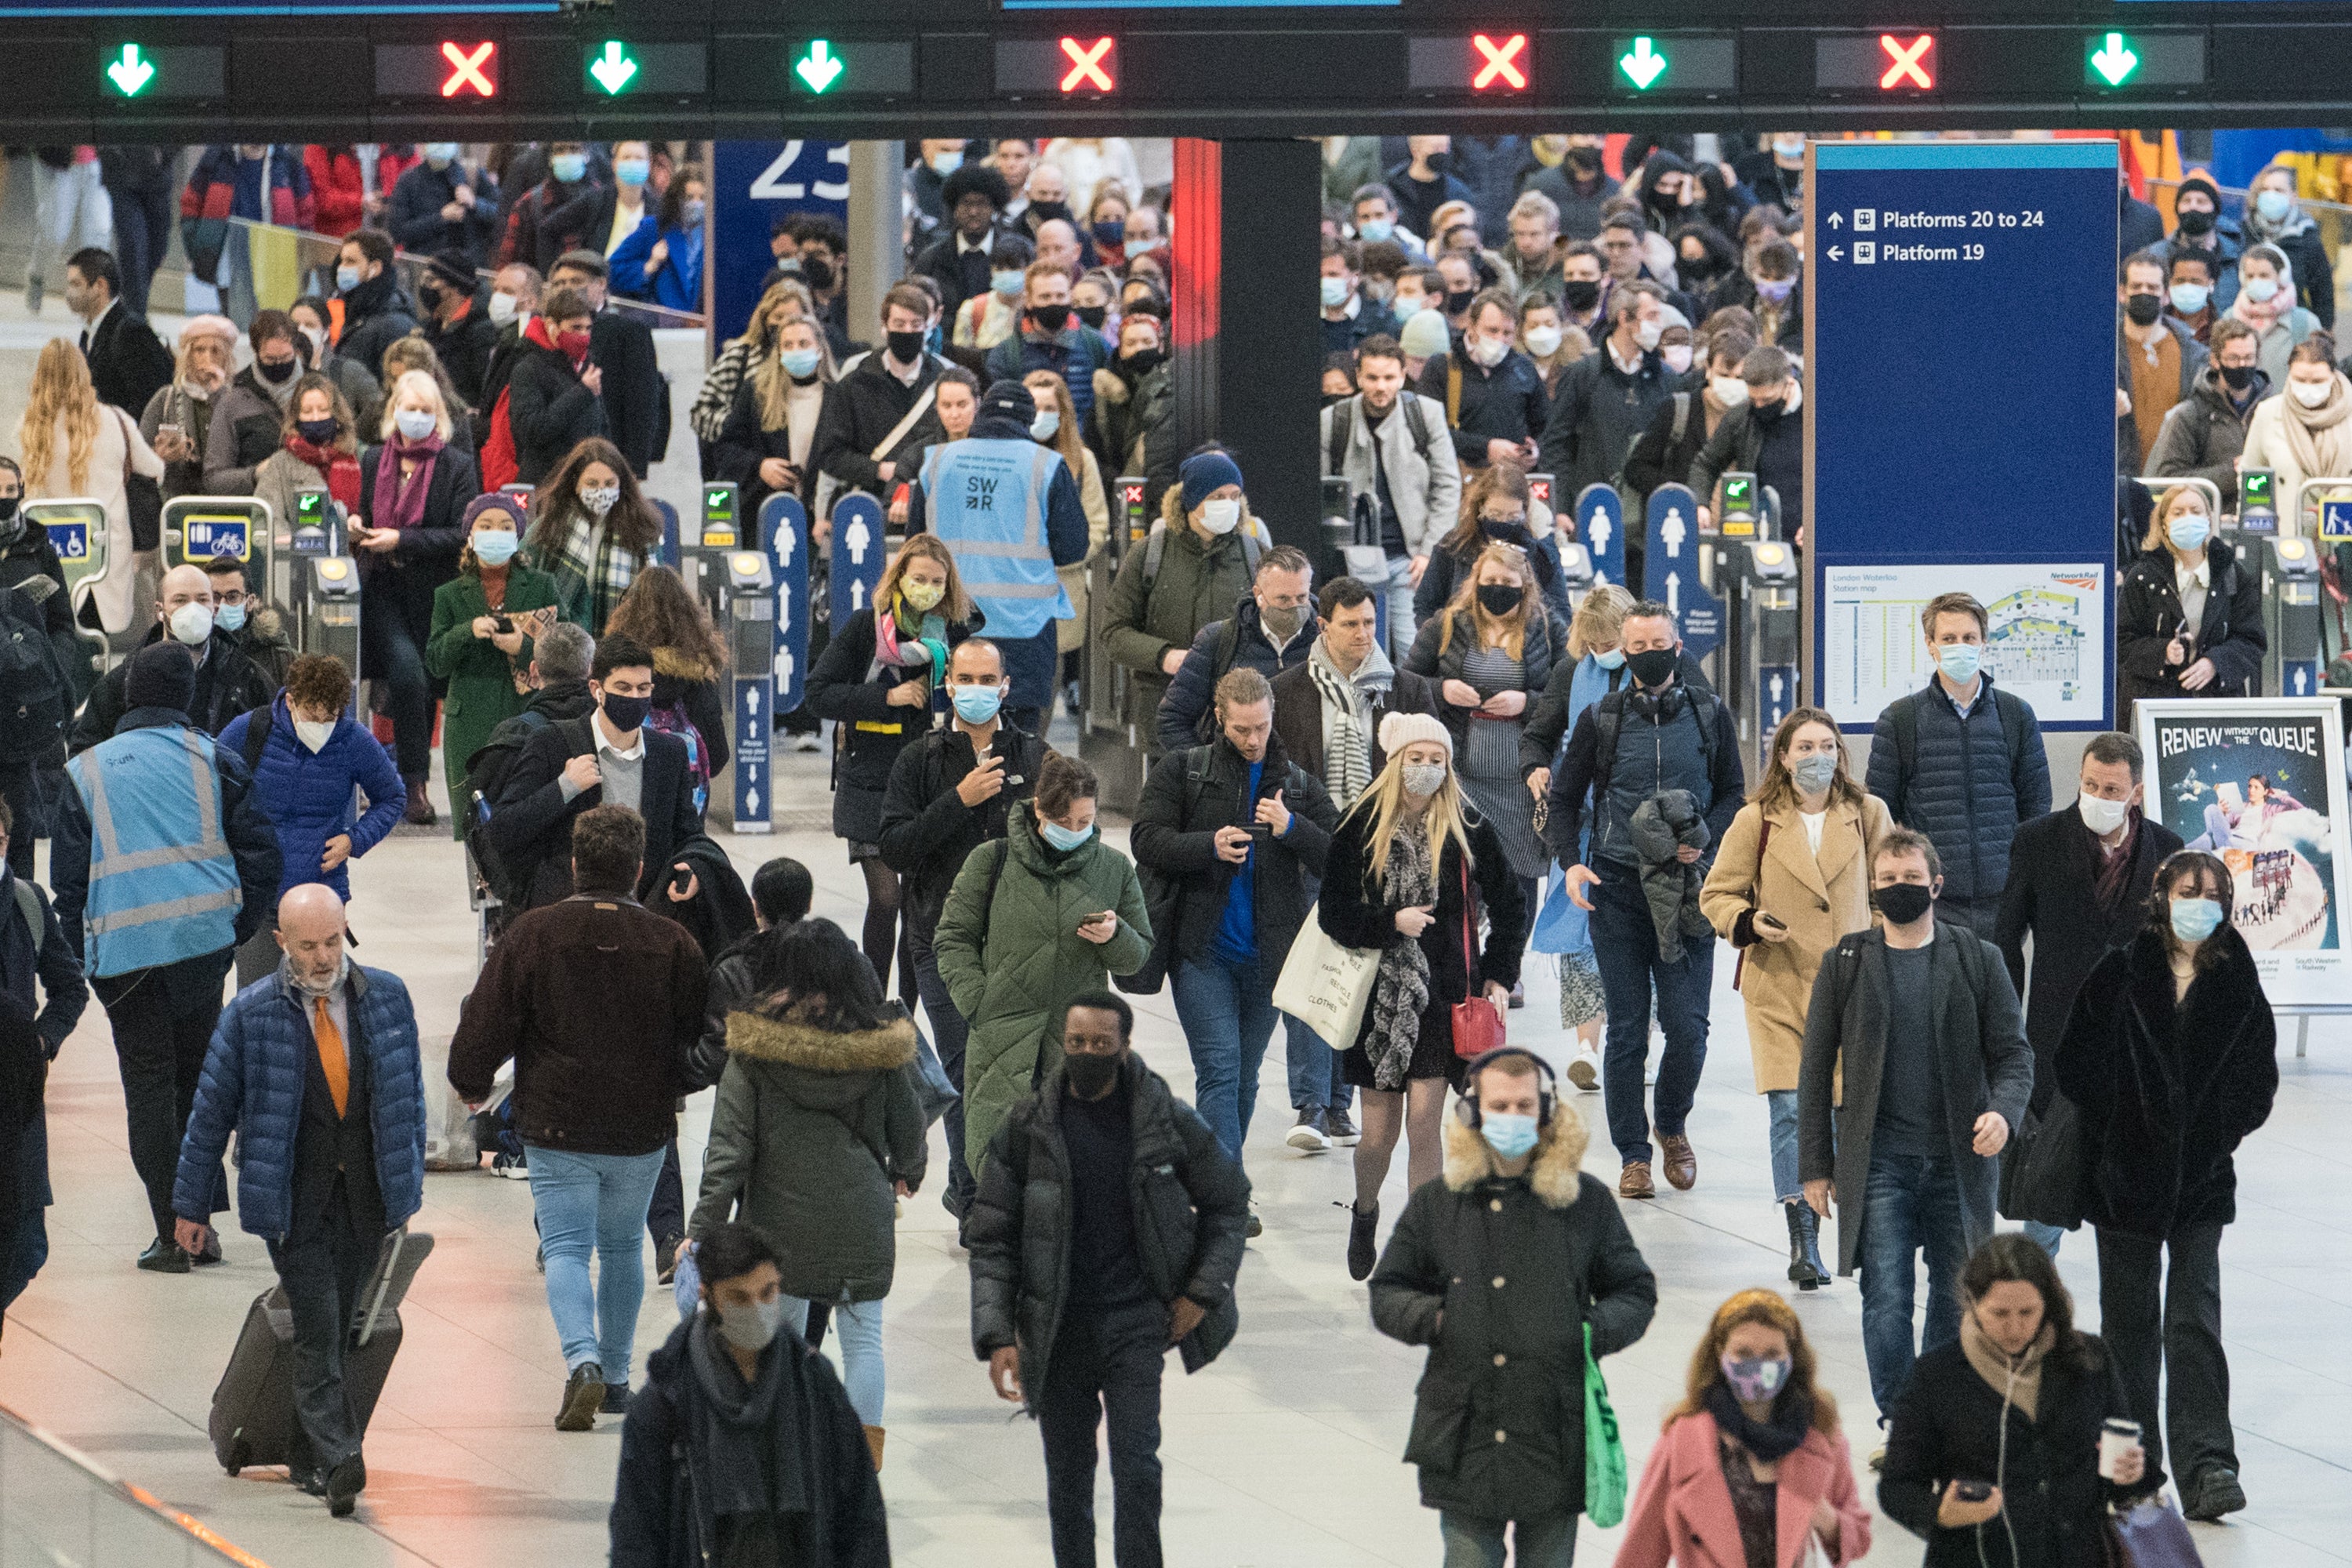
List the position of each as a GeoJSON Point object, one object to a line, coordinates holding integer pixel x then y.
{"type": "Point", "coordinates": [1363, 1235]}
{"type": "Point", "coordinates": [1805, 1268]}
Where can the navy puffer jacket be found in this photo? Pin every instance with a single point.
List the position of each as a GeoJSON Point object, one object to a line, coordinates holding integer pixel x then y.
{"type": "Point", "coordinates": [1965, 792]}
{"type": "Point", "coordinates": [252, 1086]}
{"type": "Point", "coordinates": [307, 795]}
{"type": "Point", "coordinates": [1184, 717]}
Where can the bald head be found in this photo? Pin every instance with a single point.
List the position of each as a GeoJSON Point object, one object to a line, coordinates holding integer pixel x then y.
{"type": "Point", "coordinates": [310, 929]}
{"type": "Point", "coordinates": [182, 586]}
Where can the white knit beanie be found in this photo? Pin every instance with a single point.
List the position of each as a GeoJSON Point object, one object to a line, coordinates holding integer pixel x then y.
{"type": "Point", "coordinates": [1399, 731]}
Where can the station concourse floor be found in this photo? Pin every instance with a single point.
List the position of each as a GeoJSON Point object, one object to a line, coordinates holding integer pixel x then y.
{"type": "Point", "coordinates": [1285, 1452]}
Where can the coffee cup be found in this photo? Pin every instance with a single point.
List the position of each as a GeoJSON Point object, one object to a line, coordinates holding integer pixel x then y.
{"type": "Point", "coordinates": [2116, 1438]}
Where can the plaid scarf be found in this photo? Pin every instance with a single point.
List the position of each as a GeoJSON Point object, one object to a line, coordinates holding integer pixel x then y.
{"type": "Point", "coordinates": [592, 569]}
{"type": "Point", "coordinates": [1347, 759]}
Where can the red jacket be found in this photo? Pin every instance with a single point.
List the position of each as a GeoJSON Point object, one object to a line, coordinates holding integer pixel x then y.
{"type": "Point", "coordinates": [336, 187]}
{"type": "Point", "coordinates": [1683, 1512]}
{"type": "Point", "coordinates": [213, 186]}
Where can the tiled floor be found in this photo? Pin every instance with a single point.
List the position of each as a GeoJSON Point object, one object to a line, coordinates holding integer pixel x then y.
{"type": "Point", "coordinates": [1283, 1453]}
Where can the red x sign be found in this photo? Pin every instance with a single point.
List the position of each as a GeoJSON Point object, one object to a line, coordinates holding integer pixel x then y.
{"type": "Point", "coordinates": [1500, 61]}
{"type": "Point", "coordinates": [1086, 64]}
{"type": "Point", "coordinates": [466, 70]}
{"type": "Point", "coordinates": [1914, 61]}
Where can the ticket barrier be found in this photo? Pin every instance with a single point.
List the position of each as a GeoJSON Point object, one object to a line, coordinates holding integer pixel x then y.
{"type": "Point", "coordinates": [200, 530]}
{"type": "Point", "coordinates": [314, 534]}
{"type": "Point", "coordinates": [77, 531]}
{"type": "Point", "coordinates": [748, 583]}
{"type": "Point", "coordinates": [784, 540]}
{"type": "Point", "coordinates": [1107, 742]}
{"type": "Point", "coordinates": [1747, 605]}
{"type": "Point", "coordinates": [331, 612]}
{"type": "Point", "coordinates": [705, 546]}
{"type": "Point", "coordinates": [2332, 533]}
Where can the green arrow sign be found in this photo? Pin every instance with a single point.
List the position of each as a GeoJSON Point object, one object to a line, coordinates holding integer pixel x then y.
{"type": "Point", "coordinates": [130, 74]}
{"type": "Point", "coordinates": [1644, 65]}
{"type": "Point", "coordinates": [2114, 63]}
{"type": "Point", "coordinates": [614, 69]}
{"type": "Point", "coordinates": [819, 68]}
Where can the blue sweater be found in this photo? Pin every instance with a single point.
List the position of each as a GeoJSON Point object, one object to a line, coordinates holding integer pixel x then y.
{"type": "Point", "coordinates": [307, 798]}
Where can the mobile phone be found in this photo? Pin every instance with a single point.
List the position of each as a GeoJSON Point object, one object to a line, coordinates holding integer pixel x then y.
{"type": "Point", "coordinates": [1766, 918]}
{"type": "Point", "coordinates": [502, 624]}
{"type": "Point", "coordinates": [167, 429]}
{"type": "Point", "coordinates": [1972, 1491]}
{"type": "Point", "coordinates": [1261, 832]}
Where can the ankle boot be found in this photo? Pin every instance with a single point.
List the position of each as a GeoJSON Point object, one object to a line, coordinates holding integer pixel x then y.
{"type": "Point", "coordinates": [1363, 1236]}
{"type": "Point", "coordinates": [1805, 1269]}
{"type": "Point", "coordinates": [420, 807]}
{"type": "Point", "coordinates": [873, 1443]}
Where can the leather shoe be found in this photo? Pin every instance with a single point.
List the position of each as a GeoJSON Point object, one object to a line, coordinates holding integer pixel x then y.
{"type": "Point", "coordinates": [1682, 1161]}
{"type": "Point", "coordinates": [163, 1257]}
{"type": "Point", "coordinates": [344, 1483]}
{"type": "Point", "coordinates": [2216, 1492]}
{"type": "Point", "coordinates": [1634, 1182]}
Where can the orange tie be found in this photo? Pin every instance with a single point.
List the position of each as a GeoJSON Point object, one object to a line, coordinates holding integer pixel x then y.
{"type": "Point", "coordinates": [338, 1066]}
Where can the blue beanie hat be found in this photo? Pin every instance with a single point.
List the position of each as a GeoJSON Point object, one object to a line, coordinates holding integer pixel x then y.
{"type": "Point", "coordinates": [1203, 473]}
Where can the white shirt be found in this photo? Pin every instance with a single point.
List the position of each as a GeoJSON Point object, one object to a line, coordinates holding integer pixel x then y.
{"type": "Point", "coordinates": [2193, 587]}
{"type": "Point", "coordinates": [986, 244]}
{"type": "Point", "coordinates": [1635, 367]}
{"type": "Point", "coordinates": [603, 744]}
{"type": "Point", "coordinates": [1812, 821]}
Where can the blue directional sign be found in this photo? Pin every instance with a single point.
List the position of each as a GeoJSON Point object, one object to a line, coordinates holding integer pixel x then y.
{"type": "Point", "coordinates": [2335, 521]}
{"type": "Point", "coordinates": [70, 539]}
{"type": "Point", "coordinates": [857, 555]}
{"type": "Point", "coordinates": [783, 534]}
{"type": "Point", "coordinates": [207, 538]}
{"type": "Point", "coordinates": [1671, 566]}
{"type": "Point", "coordinates": [1600, 524]}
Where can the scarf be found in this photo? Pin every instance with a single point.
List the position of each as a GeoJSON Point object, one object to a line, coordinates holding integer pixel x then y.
{"type": "Point", "coordinates": [1349, 700]}
{"type": "Point", "coordinates": [1771, 1440]}
{"type": "Point", "coordinates": [1401, 988]}
{"type": "Point", "coordinates": [2114, 870]}
{"type": "Point", "coordinates": [2020, 1379]}
{"type": "Point", "coordinates": [748, 1442]}
{"type": "Point", "coordinates": [2313, 435]}
{"type": "Point", "coordinates": [916, 644]}
{"type": "Point", "coordinates": [341, 470]}
{"type": "Point", "coordinates": [537, 332]}
{"type": "Point", "coordinates": [407, 509]}
{"type": "Point", "coordinates": [590, 567]}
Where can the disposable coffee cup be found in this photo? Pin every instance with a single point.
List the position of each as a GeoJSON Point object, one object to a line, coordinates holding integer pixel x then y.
{"type": "Point", "coordinates": [2116, 1438]}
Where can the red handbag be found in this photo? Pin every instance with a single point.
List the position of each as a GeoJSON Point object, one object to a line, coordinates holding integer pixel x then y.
{"type": "Point", "coordinates": [1477, 1027]}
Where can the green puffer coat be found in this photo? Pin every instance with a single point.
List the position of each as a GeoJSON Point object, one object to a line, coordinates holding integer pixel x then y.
{"type": "Point", "coordinates": [811, 1129]}
{"type": "Point", "coordinates": [1012, 961]}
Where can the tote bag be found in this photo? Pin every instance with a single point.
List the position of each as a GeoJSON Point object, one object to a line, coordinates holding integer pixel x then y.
{"type": "Point", "coordinates": [1604, 1452]}
{"type": "Point", "coordinates": [1325, 985]}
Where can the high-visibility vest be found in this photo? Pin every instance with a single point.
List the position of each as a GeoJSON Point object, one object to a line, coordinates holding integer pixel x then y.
{"type": "Point", "coordinates": [162, 881]}
{"type": "Point", "coordinates": [987, 504]}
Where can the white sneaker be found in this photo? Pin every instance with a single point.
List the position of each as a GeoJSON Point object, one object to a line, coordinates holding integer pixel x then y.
{"type": "Point", "coordinates": [1308, 1135]}
{"type": "Point", "coordinates": [1584, 1068]}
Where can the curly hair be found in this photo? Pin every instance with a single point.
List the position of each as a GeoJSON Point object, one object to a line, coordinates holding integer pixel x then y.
{"type": "Point", "coordinates": [319, 682]}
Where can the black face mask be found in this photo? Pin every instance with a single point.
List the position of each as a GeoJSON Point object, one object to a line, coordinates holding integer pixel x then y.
{"type": "Point", "coordinates": [1045, 212]}
{"type": "Point", "coordinates": [1503, 529]}
{"type": "Point", "coordinates": [1458, 300]}
{"type": "Point", "coordinates": [1580, 294]}
{"type": "Point", "coordinates": [1092, 315]}
{"type": "Point", "coordinates": [817, 273]}
{"type": "Point", "coordinates": [1584, 161]}
{"type": "Point", "coordinates": [1652, 666]}
{"type": "Point", "coordinates": [1499, 598]}
{"type": "Point", "coordinates": [2237, 377]}
{"type": "Point", "coordinates": [317, 432]}
{"type": "Point", "coordinates": [2194, 222]}
{"type": "Point", "coordinates": [1903, 902]}
{"type": "Point", "coordinates": [1142, 362]}
{"type": "Point", "coordinates": [2143, 309]}
{"type": "Point", "coordinates": [428, 296]}
{"type": "Point", "coordinates": [1331, 398]}
{"type": "Point", "coordinates": [625, 713]}
{"type": "Point", "coordinates": [1090, 1076]}
{"type": "Point", "coordinates": [276, 371]}
{"type": "Point", "coordinates": [1050, 318]}
{"type": "Point", "coordinates": [905, 347]}
{"type": "Point", "coordinates": [1704, 267]}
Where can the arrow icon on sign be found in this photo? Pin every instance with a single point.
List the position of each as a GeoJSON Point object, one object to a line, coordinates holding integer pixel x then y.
{"type": "Point", "coordinates": [1643, 66]}
{"type": "Point", "coordinates": [2116, 61]}
{"type": "Point", "coordinates": [1835, 254]}
{"type": "Point", "coordinates": [1674, 593]}
{"type": "Point", "coordinates": [131, 73]}
{"type": "Point", "coordinates": [857, 593]}
{"type": "Point", "coordinates": [818, 67]}
{"type": "Point", "coordinates": [1836, 220]}
{"type": "Point", "coordinates": [614, 69]}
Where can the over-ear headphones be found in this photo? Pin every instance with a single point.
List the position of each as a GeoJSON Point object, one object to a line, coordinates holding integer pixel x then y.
{"type": "Point", "coordinates": [1547, 1087]}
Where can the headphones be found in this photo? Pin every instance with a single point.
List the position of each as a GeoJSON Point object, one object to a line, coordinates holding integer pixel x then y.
{"type": "Point", "coordinates": [1466, 1109]}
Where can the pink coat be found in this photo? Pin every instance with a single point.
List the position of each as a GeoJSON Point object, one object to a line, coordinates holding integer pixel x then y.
{"type": "Point", "coordinates": [1683, 1512]}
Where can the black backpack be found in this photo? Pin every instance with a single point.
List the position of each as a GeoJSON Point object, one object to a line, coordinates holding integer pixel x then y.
{"type": "Point", "coordinates": [485, 779]}
{"type": "Point", "coordinates": [35, 693]}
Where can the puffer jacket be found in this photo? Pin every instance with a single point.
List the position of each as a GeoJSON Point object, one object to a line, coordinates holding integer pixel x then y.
{"type": "Point", "coordinates": [2148, 615]}
{"type": "Point", "coordinates": [811, 1129]}
{"type": "Point", "coordinates": [307, 794]}
{"type": "Point", "coordinates": [252, 1085]}
{"type": "Point", "coordinates": [1192, 1211]}
{"type": "Point", "coordinates": [1443, 644]}
{"type": "Point", "coordinates": [2203, 433]}
{"type": "Point", "coordinates": [1518, 1267]}
{"type": "Point", "coordinates": [1187, 713]}
{"type": "Point", "coordinates": [1199, 580]}
{"type": "Point", "coordinates": [847, 689]}
{"type": "Point", "coordinates": [1011, 955]}
{"type": "Point", "coordinates": [1966, 793]}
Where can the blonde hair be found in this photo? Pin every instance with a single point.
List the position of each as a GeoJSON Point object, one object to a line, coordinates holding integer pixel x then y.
{"type": "Point", "coordinates": [774, 383]}
{"type": "Point", "coordinates": [1384, 801]}
{"type": "Point", "coordinates": [414, 353]}
{"type": "Point", "coordinates": [2155, 538]}
{"type": "Point", "coordinates": [1528, 616]}
{"type": "Point", "coordinates": [1599, 619]}
{"type": "Point", "coordinates": [1067, 440]}
{"type": "Point", "coordinates": [423, 382]}
{"type": "Point", "coordinates": [61, 388]}
{"type": "Point", "coordinates": [1773, 1311]}
{"type": "Point", "coordinates": [782, 288]}
{"type": "Point", "coordinates": [955, 604]}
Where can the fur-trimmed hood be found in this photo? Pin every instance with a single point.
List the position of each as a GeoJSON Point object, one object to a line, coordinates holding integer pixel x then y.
{"type": "Point", "coordinates": [684, 666]}
{"type": "Point", "coordinates": [796, 1043]}
{"type": "Point", "coordinates": [1558, 1158]}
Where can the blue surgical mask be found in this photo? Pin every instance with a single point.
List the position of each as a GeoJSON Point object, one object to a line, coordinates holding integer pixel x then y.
{"type": "Point", "coordinates": [2189, 530]}
{"type": "Point", "coordinates": [2194, 920]}
{"type": "Point", "coordinates": [946, 163]}
{"type": "Point", "coordinates": [1507, 1135]}
{"type": "Point", "coordinates": [1375, 228]}
{"type": "Point", "coordinates": [1960, 660]}
{"type": "Point", "coordinates": [632, 170]}
{"type": "Point", "coordinates": [568, 167]}
{"type": "Point", "coordinates": [977, 704]}
{"type": "Point", "coordinates": [691, 214]}
{"type": "Point", "coordinates": [1006, 282]}
{"type": "Point", "coordinates": [346, 278]}
{"type": "Point", "coordinates": [1047, 422]}
{"type": "Point", "coordinates": [414, 424]}
{"type": "Point", "coordinates": [802, 363]}
{"type": "Point", "coordinates": [440, 155]}
{"type": "Point", "coordinates": [1334, 292]}
{"type": "Point", "coordinates": [2188, 299]}
{"type": "Point", "coordinates": [2272, 204]}
{"type": "Point", "coordinates": [1062, 838]}
{"type": "Point", "coordinates": [494, 546]}
{"type": "Point", "coordinates": [1613, 660]}
{"type": "Point", "coordinates": [2260, 290]}
{"type": "Point", "coordinates": [229, 617]}
{"type": "Point", "coordinates": [1815, 774]}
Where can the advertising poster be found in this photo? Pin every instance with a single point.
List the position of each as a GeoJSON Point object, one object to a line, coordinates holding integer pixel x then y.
{"type": "Point", "coordinates": [2260, 783]}
{"type": "Point", "coordinates": [2047, 643]}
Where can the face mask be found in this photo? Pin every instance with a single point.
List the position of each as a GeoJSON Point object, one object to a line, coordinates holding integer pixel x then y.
{"type": "Point", "coordinates": [575, 345]}
{"type": "Point", "coordinates": [1489, 352]}
{"type": "Point", "coordinates": [347, 279]}
{"type": "Point", "coordinates": [977, 704]}
{"type": "Point", "coordinates": [441, 154]}
{"type": "Point", "coordinates": [2143, 310]}
{"type": "Point", "coordinates": [1143, 361]}
{"type": "Point", "coordinates": [229, 617]}
{"type": "Point", "coordinates": [502, 309]}
{"type": "Point", "coordinates": [1580, 293]}
{"type": "Point", "coordinates": [1422, 780]}
{"type": "Point", "coordinates": [2189, 530]}
{"type": "Point", "coordinates": [1090, 1076]}
{"type": "Point", "coordinates": [801, 363]}
{"type": "Point", "coordinates": [2237, 377]}
{"type": "Point", "coordinates": [1652, 666]}
{"type": "Point", "coordinates": [2194, 920]}
{"type": "Point", "coordinates": [1774, 290]}
{"type": "Point", "coordinates": [495, 546]}
{"type": "Point", "coordinates": [632, 170]}
{"type": "Point", "coordinates": [2102, 817]}
{"type": "Point", "coordinates": [1135, 247]}
{"type": "Point", "coordinates": [2189, 298]}
{"type": "Point", "coordinates": [428, 296]}
{"type": "Point", "coordinates": [1754, 1382]}
{"type": "Point", "coordinates": [922, 597]}
{"type": "Point", "coordinates": [750, 1328]}
{"type": "Point", "coordinates": [2311, 393]}
{"type": "Point", "coordinates": [1768, 414]}
{"type": "Point", "coordinates": [1334, 292]}
{"type": "Point", "coordinates": [567, 167]}
{"type": "Point", "coordinates": [314, 735]}
{"type": "Point", "coordinates": [414, 424]}
{"type": "Point", "coordinates": [1510, 1136]}
{"type": "Point", "coordinates": [317, 432]}
{"type": "Point", "coordinates": [1613, 660]}
{"type": "Point", "coordinates": [690, 216]}
{"type": "Point", "coordinates": [1729, 390]}
{"type": "Point", "coordinates": [1647, 333]}
{"type": "Point", "coordinates": [1006, 283]}
{"type": "Point", "coordinates": [1677, 357]}
{"type": "Point", "coordinates": [1091, 316]}
{"type": "Point", "coordinates": [1220, 515]}
{"type": "Point", "coordinates": [2272, 204]}
{"type": "Point", "coordinates": [1499, 598]}
{"type": "Point", "coordinates": [1960, 660]}
{"type": "Point", "coordinates": [905, 347]}
{"type": "Point", "coordinates": [1458, 300]}
{"type": "Point", "coordinates": [1048, 421]}
{"type": "Point", "coordinates": [1904, 902]}
{"type": "Point", "coordinates": [1585, 160]}
{"type": "Point", "coordinates": [276, 371]}
{"type": "Point", "coordinates": [192, 624]}
{"type": "Point", "coordinates": [625, 713]}
{"type": "Point", "coordinates": [1375, 228]}
{"type": "Point", "coordinates": [1788, 146]}
{"type": "Point", "coordinates": [1110, 231]}
{"type": "Point", "coordinates": [2261, 290]}
{"type": "Point", "coordinates": [1282, 620]}
{"type": "Point", "coordinates": [600, 499]}
{"type": "Point", "coordinates": [946, 163]}
{"type": "Point", "coordinates": [1815, 774]}
{"type": "Point", "coordinates": [1542, 342]}
{"type": "Point", "coordinates": [317, 336]}
{"type": "Point", "coordinates": [817, 273]}
{"type": "Point", "coordinates": [1063, 839]}
{"type": "Point", "coordinates": [2195, 221]}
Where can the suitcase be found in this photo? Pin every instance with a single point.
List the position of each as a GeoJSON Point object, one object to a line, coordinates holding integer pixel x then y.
{"type": "Point", "coordinates": [253, 1420]}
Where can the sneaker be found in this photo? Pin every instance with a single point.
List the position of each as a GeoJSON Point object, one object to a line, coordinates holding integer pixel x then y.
{"type": "Point", "coordinates": [1584, 1070]}
{"type": "Point", "coordinates": [1878, 1459]}
{"type": "Point", "coordinates": [616, 1400]}
{"type": "Point", "coordinates": [1256, 1226]}
{"type": "Point", "coordinates": [163, 1257]}
{"type": "Point", "coordinates": [1341, 1131]}
{"type": "Point", "coordinates": [2214, 1492]}
{"type": "Point", "coordinates": [665, 1258]}
{"type": "Point", "coordinates": [583, 1392]}
{"type": "Point", "coordinates": [344, 1484]}
{"type": "Point", "coordinates": [1519, 995]}
{"type": "Point", "coordinates": [1308, 1133]}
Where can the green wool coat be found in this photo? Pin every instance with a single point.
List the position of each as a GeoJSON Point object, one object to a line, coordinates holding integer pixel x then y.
{"type": "Point", "coordinates": [1011, 961]}
{"type": "Point", "coordinates": [1199, 581]}
{"type": "Point", "coordinates": [482, 680]}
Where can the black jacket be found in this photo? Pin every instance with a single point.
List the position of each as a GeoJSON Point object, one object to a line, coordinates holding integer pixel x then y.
{"type": "Point", "coordinates": [1175, 831]}
{"type": "Point", "coordinates": [926, 829]}
{"type": "Point", "coordinates": [941, 260]}
{"type": "Point", "coordinates": [846, 688]}
{"type": "Point", "coordinates": [1596, 411]}
{"type": "Point", "coordinates": [530, 821]}
{"type": "Point", "coordinates": [1947, 1426]}
{"type": "Point", "coordinates": [744, 441]}
{"type": "Point", "coordinates": [376, 314]}
{"type": "Point", "coordinates": [549, 409]}
{"type": "Point", "coordinates": [1191, 1208]}
{"type": "Point", "coordinates": [1546, 724]}
{"type": "Point", "coordinates": [466, 344]}
{"type": "Point", "coordinates": [1506, 403]}
{"type": "Point", "coordinates": [34, 556]}
{"type": "Point", "coordinates": [2203, 434]}
{"type": "Point", "coordinates": [2149, 616]}
{"type": "Point", "coordinates": [1583, 768]}
{"type": "Point", "coordinates": [1188, 709]}
{"type": "Point", "coordinates": [1774, 454]}
{"type": "Point", "coordinates": [227, 683]}
{"type": "Point", "coordinates": [1441, 657]}
{"type": "Point", "coordinates": [1355, 913]}
{"type": "Point", "coordinates": [635, 392]}
{"type": "Point", "coordinates": [404, 579]}
{"type": "Point", "coordinates": [865, 406]}
{"type": "Point", "coordinates": [413, 215]}
{"type": "Point", "coordinates": [1659, 457]}
{"type": "Point", "coordinates": [64, 992]}
{"type": "Point", "coordinates": [1298, 715]}
{"type": "Point", "coordinates": [2166, 1093]}
{"type": "Point", "coordinates": [127, 362]}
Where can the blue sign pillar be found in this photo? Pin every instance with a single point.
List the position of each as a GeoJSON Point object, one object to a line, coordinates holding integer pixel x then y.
{"type": "Point", "coordinates": [855, 562]}
{"type": "Point", "coordinates": [1960, 372]}
{"type": "Point", "coordinates": [783, 534]}
{"type": "Point", "coordinates": [1600, 524]}
{"type": "Point", "coordinates": [1673, 566]}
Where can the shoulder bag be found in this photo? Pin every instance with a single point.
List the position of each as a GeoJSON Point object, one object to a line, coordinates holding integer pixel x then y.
{"type": "Point", "coordinates": [1477, 1027]}
{"type": "Point", "coordinates": [1755, 896]}
{"type": "Point", "coordinates": [1326, 986]}
{"type": "Point", "coordinates": [143, 498]}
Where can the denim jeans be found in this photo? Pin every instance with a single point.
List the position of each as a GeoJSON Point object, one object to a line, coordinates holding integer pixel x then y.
{"type": "Point", "coordinates": [1105, 1372]}
{"type": "Point", "coordinates": [1786, 1186]}
{"type": "Point", "coordinates": [1400, 607]}
{"type": "Point", "coordinates": [951, 1034]}
{"type": "Point", "coordinates": [594, 1203]}
{"type": "Point", "coordinates": [1910, 1204]}
{"type": "Point", "coordinates": [1547, 1543]}
{"type": "Point", "coordinates": [1314, 1070]}
{"type": "Point", "coordinates": [1227, 1013]}
{"type": "Point", "coordinates": [1625, 948]}
{"type": "Point", "coordinates": [2045, 1237]}
{"type": "Point", "coordinates": [858, 1327]}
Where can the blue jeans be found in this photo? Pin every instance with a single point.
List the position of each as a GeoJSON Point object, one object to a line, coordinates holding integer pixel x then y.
{"type": "Point", "coordinates": [594, 1203]}
{"type": "Point", "coordinates": [952, 1034]}
{"type": "Point", "coordinates": [1547, 1543]}
{"type": "Point", "coordinates": [1785, 1184]}
{"type": "Point", "coordinates": [1625, 948]}
{"type": "Point", "coordinates": [1910, 1204]}
{"type": "Point", "coordinates": [1400, 606]}
{"type": "Point", "coordinates": [857, 1325]}
{"type": "Point", "coordinates": [1315, 1077]}
{"type": "Point", "coordinates": [1227, 1013]}
{"type": "Point", "coordinates": [2045, 1237]}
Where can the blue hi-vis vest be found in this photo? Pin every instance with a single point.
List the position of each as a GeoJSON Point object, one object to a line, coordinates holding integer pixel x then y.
{"type": "Point", "coordinates": [987, 504]}
{"type": "Point", "coordinates": [159, 892]}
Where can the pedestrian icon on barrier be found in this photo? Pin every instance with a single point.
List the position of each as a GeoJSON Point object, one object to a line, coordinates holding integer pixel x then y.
{"type": "Point", "coordinates": [856, 567]}
{"type": "Point", "coordinates": [784, 531]}
{"type": "Point", "coordinates": [1600, 524]}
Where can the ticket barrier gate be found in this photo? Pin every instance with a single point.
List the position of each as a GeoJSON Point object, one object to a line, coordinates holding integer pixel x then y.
{"type": "Point", "coordinates": [77, 531]}
{"type": "Point", "coordinates": [748, 584]}
{"type": "Point", "coordinates": [2296, 658]}
{"type": "Point", "coordinates": [1107, 742]}
{"type": "Point", "coordinates": [2333, 537]}
{"type": "Point", "coordinates": [705, 546]}
{"type": "Point", "coordinates": [331, 612]}
{"type": "Point", "coordinates": [1744, 624]}
{"type": "Point", "coordinates": [313, 534]}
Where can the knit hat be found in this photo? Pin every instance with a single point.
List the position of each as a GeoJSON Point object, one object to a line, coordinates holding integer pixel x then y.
{"type": "Point", "coordinates": [1425, 334]}
{"type": "Point", "coordinates": [2200, 182]}
{"type": "Point", "coordinates": [1008, 400]}
{"type": "Point", "coordinates": [1399, 731]}
{"type": "Point", "coordinates": [162, 675]}
{"type": "Point", "coordinates": [209, 326]}
{"type": "Point", "coordinates": [497, 500]}
{"type": "Point", "coordinates": [1203, 472]}
{"type": "Point", "coordinates": [453, 269]}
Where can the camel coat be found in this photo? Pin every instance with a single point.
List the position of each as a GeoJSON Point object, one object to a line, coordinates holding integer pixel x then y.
{"type": "Point", "coordinates": [1818, 899]}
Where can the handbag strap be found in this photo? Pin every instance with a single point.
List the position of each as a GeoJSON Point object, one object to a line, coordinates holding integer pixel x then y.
{"type": "Point", "coordinates": [1469, 970]}
{"type": "Point", "coordinates": [1756, 883]}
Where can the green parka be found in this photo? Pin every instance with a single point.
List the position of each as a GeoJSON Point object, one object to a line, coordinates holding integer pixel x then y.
{"type": "Point", "coordinates": [1009, 950]}
{"type": "Point", "coordinates": [1199, 581]}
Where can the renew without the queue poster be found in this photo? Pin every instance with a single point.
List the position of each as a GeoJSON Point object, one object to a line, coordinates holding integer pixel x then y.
{"type": "Point", "coordinates": [1960, 369]}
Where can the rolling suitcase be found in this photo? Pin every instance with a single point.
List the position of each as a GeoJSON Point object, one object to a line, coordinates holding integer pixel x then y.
{"type": "Point", "coordinates": [253, 1420]}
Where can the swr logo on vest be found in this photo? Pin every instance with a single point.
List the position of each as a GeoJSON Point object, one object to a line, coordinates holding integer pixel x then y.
{"type": "Point", "coordinates": [980, 493]}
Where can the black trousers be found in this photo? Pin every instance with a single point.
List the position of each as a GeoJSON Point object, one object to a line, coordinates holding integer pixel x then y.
{"type": "Point", "coordinates": [1105, 1369]}
{"type": "Point", "coordinates": [2154, 1319]}
{"type": "Point", "coordinates": [393, 654]}
{"type": "Point", "coordinates": [322, 1264]}
{"type": "Point", "coordinates": [163, 1019]}
{"type": "Point", "coordinates": [142, 234]}
{"type": "Point", "coordinates": [951, 1035]}
{"type": "Point", "coordinates": [666, 1216]}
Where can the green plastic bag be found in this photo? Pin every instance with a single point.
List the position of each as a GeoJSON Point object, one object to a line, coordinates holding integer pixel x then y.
{"type": "Point", "coordinates": [1604, 1455]}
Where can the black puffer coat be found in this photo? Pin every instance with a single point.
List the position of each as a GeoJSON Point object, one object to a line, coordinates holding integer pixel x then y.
{"type": "Point", "coordinates": [2149, 616]}
{"type": "Point", "coordinates": [1441, 657]}
{"type": "Point", "coordinates": [846, 687]}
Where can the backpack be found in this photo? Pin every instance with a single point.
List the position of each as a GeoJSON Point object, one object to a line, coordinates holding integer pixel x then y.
{"type": "Point", "coordinates": [486, 777]}
{"type": "Point", "coordinates": [29, 906]}
{"type": "Point", "coordinates": [1903, 714]}
{"type": "Point", "coordinates": [1156, 546]}
{"type": "Point", "coordinates": [36, 693]}
{"type": "Point", "coordinates": [501, 465]}
{"type": "Point", "coordinates": [670, 718]}
{"type": "Point", "coordinates": [256, 736]}
{"type": "Point", "coordinates": [1163, 894]}
{"type": "Point", "coordinates": [1607, 713]}
{"type": "Point", "coordinates": [1343, 428]}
